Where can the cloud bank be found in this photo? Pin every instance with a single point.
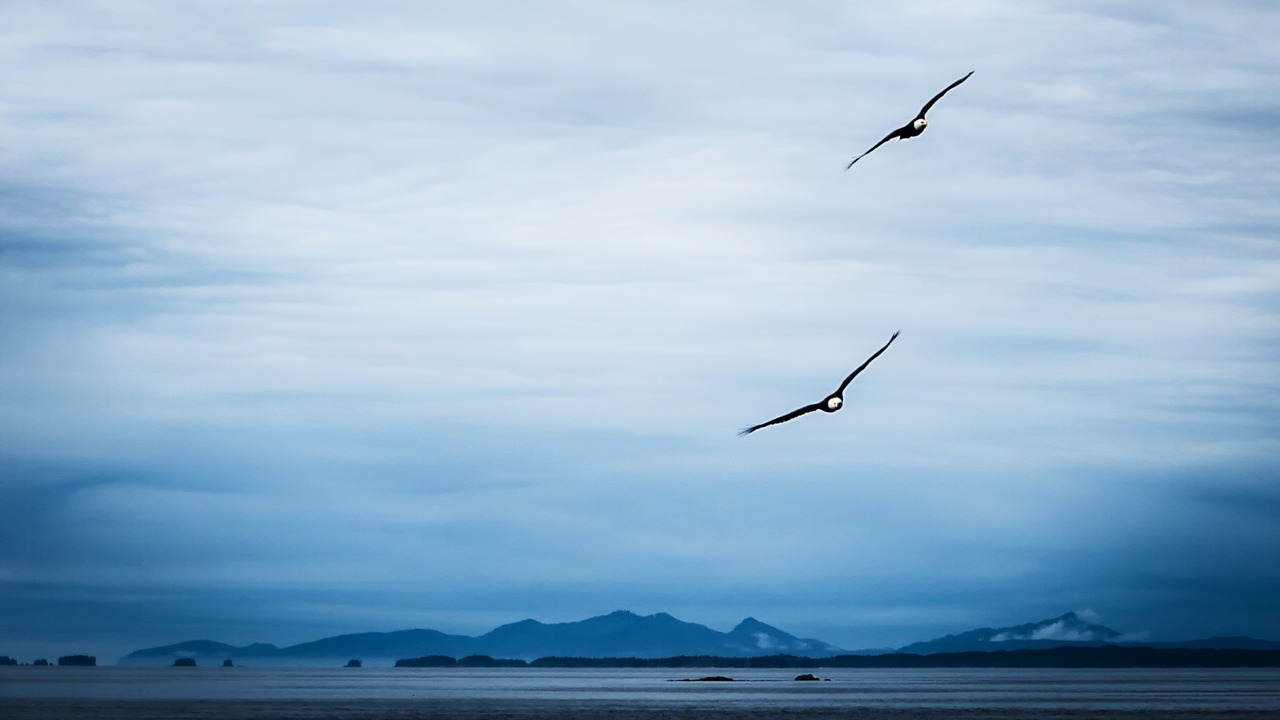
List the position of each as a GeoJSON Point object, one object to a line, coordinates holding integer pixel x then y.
{"type": "Point", "coordinates": [324, 318]}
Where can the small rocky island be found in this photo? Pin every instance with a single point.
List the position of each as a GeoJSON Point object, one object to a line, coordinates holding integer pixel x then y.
{"type": "Point", "coordinates": [78, 660]}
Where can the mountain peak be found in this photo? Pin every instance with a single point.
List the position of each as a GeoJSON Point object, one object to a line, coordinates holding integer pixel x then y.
{"type": "Point", "coordinates": [1068, 628]}
{"type": "Point", "coordinates": [755, 637]}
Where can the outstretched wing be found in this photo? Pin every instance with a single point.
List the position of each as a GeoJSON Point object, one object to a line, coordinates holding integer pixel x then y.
{"type": "Point", "coordinates": [864, 365]}
{"type": "Point", "coordinates": [929, 104]}
{"type": "Point", "coordinates": [895, 134]}
{"type": "Point", "coordinates": [789, 416]}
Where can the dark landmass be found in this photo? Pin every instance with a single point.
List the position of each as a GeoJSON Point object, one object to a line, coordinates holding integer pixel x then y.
{"type": "Point", "coordinates": [1069, 629]}
{"type": "Point", "coordinates": [1106, 656]}
{"type": "Point", "coordinates": [469, 661]}
{"type": "Point", "coordinates": [487, 661]}
{"type": "Point", "coordinates": [628, 636]}
{"type": "Point", "coordinates": [374, 644]}
{"type": "Point", "coordinates": [6, 660]}
{"type": "Point", "coordinates": [81, 660]}
{"type": "Point", "coordinates": [184, 662]}
{"type": "Point", "coordinates": [620, 633]}
{"type": "Point", "coordinates": [428, 661]}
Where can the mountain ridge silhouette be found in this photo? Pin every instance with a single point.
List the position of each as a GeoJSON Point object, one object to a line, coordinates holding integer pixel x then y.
{"type": "Point", "coordinates": [623, 634]}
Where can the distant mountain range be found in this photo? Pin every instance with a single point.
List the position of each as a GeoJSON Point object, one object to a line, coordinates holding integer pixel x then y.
{"type": "Point", "coordinates": [1069, 629]}
{"type": "Point", "coordinates": [618, 634]}
{"type": "Point", "coordinates": [624, 634]}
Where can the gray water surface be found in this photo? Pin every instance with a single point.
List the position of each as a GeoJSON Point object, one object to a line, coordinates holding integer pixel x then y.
{"type": "Point", "coordinates": [152, 693]}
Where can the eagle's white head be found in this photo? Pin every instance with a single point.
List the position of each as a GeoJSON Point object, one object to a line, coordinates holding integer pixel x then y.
{"type": "Point", "coordinates": [919, 123]}
{"type": "Point", "coordinates": [834, 403]}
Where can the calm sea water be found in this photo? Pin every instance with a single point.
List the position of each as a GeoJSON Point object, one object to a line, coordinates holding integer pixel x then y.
{"type": "Point", "coordinates": [371, 693]}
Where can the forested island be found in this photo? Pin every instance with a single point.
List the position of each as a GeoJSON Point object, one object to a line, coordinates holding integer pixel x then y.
{"type": "Point", "coordinates": [71, 660]}
{"type": "Point", "coordinates": [468, 661]}
{"type": "Point", "coordinates": [78, 660]}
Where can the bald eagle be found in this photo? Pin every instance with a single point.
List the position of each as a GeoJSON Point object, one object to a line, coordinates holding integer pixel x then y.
{"type": "Point", "coordinates": [913, 128]}
{"type": "Point", "coordinates": [831, 403]}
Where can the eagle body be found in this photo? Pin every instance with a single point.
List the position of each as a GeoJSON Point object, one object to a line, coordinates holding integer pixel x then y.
{"type": "Point", "coordinates": [913, 128]}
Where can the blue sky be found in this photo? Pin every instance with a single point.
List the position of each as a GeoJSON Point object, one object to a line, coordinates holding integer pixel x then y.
{"type": "Point", "coordinates": [327, 317]}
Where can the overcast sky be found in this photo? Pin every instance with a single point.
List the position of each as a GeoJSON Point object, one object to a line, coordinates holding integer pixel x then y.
{"type": "Point", "coordinates": [328, 317]}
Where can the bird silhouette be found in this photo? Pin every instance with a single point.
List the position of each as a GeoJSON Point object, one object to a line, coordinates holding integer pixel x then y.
{"type": "Point", "coordinates": [831, 403]}
{"type": "Point", "coordinates": [913, 128]}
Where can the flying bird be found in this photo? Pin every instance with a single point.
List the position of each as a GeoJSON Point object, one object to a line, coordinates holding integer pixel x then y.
{"type": "Point", "coordinates": [832, 403]}
{"type": "Point", "coordinates": [913, 128]}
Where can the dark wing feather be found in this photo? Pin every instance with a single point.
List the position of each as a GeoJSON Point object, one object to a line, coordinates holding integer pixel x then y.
{"type": "Point", "coordinates": [895, 134]}
{"type": "Point", "coordinates": [929, 104]}
{"type": "Point", "coordinates": [789, 416]}
{"type": "Point", "coordinates": [864, 365]}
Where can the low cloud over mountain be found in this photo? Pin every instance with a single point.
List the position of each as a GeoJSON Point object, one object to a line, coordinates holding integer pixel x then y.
{"type": "Point", "coordinates": [1071, 628]}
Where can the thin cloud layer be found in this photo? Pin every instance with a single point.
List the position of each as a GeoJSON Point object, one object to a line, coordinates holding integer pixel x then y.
{"type": "Point", "coordinates": [397, 316]}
